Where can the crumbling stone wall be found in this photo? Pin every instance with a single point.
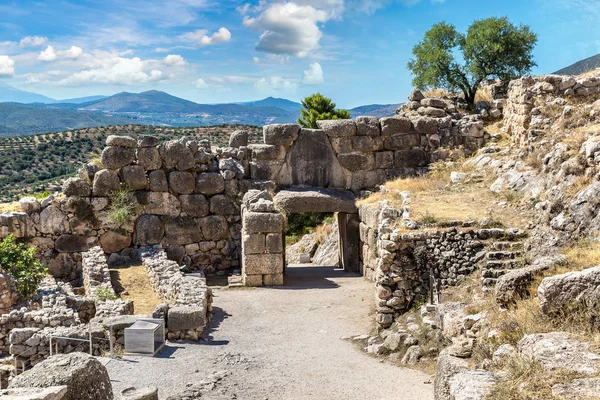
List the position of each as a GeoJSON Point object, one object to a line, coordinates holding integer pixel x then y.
{"type": "Point", "coordinates": [523, 119]}
{"type": "Point", "coordinates": [96, 275]}
{"type": "Point", "coordinates": [8, 292]}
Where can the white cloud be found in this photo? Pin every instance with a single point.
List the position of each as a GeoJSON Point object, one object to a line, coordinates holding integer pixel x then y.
{"type": "Point", "coordinates": [288, 28]}
{"type": "Point", "coordinates": [47, 55]}
{"type": "Point", "coordinates": [33, 41]}
{"type": "Point", "coordinates": [256, 59]}
{"type": "Point", "coordinates": [174, 60]}
{"type": "Point", "coordinates": [334, 8]}
{"type": "Point", "coordinates": [275, 83]}
{"type": "Point", "coordinates": [201, 84]}
{"type": "Point", "coordinates": [314, 74]}
{"type": "Point", "coordinates": [50, 54]}
{"type": "Point", "coordinates": [371, 6]}
{"type": "Point", "coordinates": [200, 37]}
{"type": "Point", "coordinates": [7, 66]}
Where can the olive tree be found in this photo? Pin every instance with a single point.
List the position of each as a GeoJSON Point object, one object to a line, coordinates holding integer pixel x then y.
{"type": "Point", "coordinates": [492, 48]}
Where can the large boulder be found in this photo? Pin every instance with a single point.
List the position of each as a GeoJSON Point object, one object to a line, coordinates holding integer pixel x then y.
{"type": "Point", "coordinates": [515, 284]}
{"type": "Point", "coordinates": [194, 205]}
{"type": "Point", "coordinates": [210, 183]}
{"type": "Point", "coordinates": [149, 230]}
{"type": "Point", "coordinates": [149, 158]}
{"type": "Point", "coordinates": [105, 182]}
{"type": "Point", "coordinates": [559, 350]}
{"type": "Point", "coordinates": [181, 230]}
{"type": "Point", "coordinates": [281, 134]}
{"type": "Point", "coordinates": [176, 155]}
{"type": "Point", "coordinates": [184, 318]}
{"type": "Point", "coordinates": [85, 377]}
{"type": "Point", "coordinates": [182, 182]}
{"type": "Point", "coordinates": [472, 385]}
{"type": "Point", "coordinates": [122, 141]}
{"type": "Point", "coordinates": [52, 220]}
{"type": "Point", "coordinates": [447, 367]}
{"type": "Point", "coordinates": [134, 177]}
{"type": "Point", "coordinates": [582, 388]}
{"type": "Point", "coordinates": [328, 253]}
{"type": "Point", "coordinates": [561, 291]}
{"type": "Point", "coordinates": [238, 139]}
{"type": "Point", "coordinates": [114, 241]}
{"type": "Point", "coordinates": [315, 200]}
{"type": "Point", "coordinates": [76, 187]}
{"type": "Point", "coordinates": [338, 127]}
{"type": "Point", "coordinates": [449, 317]}
{"type": "Point", "coordinates": [49, 393]}
{"type": "Point", "coordinates": [214, 227]}
{"type": "Point", "coordinates": [117, 157]}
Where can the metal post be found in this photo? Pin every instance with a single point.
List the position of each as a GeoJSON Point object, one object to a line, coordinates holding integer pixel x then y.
{"type": "Point", "coordinates": [50, 346]}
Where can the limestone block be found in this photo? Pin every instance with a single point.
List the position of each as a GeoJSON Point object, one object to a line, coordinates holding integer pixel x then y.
{"type": "Point", "coordinates": [158, 181]}
{"type": "Point", "coordinates": [416, 95]}
{"type": "Point", "coordinates": [182, 182]}
{"type": "Point", "coordinates": [121, 141]}
{"type": "Point", "coordinates": [134, 177]}
{"type": "Point", "coordinates": [223, 205]}
{"type": "Point", "coordinates": [265, 152]}
{"type": "Point", "coordinates": [105, 182]}
{"type": "Point", "coordinates": [268, 170]}
{"type": "Point", "coordinates": [184, 318]}
{"type": "Point", "coordinates": [410, 158]}
{"type": "Point", "coordinates": [210, 183]}
{"type": "Point", "coordinates": [395, 125]}
{"type": "Point", "coordinates": [117, 157]}
{"type": "Point", "coordinates": [149, 230]}
{"type": "Point", "coordinates": [274, 243]}
{"type": "Point", "coordinates": [113, 242]}
{"type": "Point", "coordinates": [368, 126]}
{"type": "Point", "coordinates": [402, 141]}
{"type": "Point", "coordinates": [432, 112]}
{"type": "Point", "coordinates": [296, 200]}
{"type": "Point", "coordinates": [181, 230]}
{"type": "Point", "coordinates": [342, 144]}
{"type": "Point", "coordinates": [363, 144]}
{"type": "Point", "coordinates": [273, 280]}
{"type": "Point", "coordinates": [52, 220]}
{"type": "Point", "coordinates": [76, 187]}
{"type": "Point", "coordinates": [194, 205]}
{"type": "Point", "coordinates": [238, 139]}
{"type": "Point", "coordinates": [433, 102]}
{"type": "Point", "coordinates": [30, 205]}
{"type": "Point", "coordinates": [263, 222]}
{"type": "Point", "coordinates": [263, 264]}
{"type": "Point", "coordinates": [338, 127]}
{"type": "Point", "coordinates": [280, 134]}
{"type": "Point", "coordinates": [254, 243]}
{"type": "Point", "coordinates": [384, 159]}
{"type": "Point", "coordinates": [357, 162]}
{"type": "Point", "coordinates": [176, 155]}
{"type": "Point", "coordinates": [149, 158]}
{"type": "Point", "coordinates": [159, 203]}
{"type": "Point", "coordinates": [253, 280]}
{"type": "Point", "coordinates": [425, 125]}
{"type": "Point", "coordinates": [148, 141]}
{"type": "Point", "coordinates": [214, 227]}
{"type": "Point", "coordinates": [72, 244]}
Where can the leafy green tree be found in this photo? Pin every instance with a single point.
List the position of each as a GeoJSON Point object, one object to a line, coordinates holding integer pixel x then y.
{"type": "Point", "coordinates": [317, 108]}
{"type": "Point", "coordinates": [492, 48]}
{"type": "Point", "coordinates": [19, 261]}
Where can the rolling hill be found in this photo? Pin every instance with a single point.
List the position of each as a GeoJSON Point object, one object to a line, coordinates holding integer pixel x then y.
{"type": "Point", "coordinates": [581, 67]}
{"type": "Point", "coordinates": [375, 110]}
{"type": "Point", "coordinates": [14, 95]}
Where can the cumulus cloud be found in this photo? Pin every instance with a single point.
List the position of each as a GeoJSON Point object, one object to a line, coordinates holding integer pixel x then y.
{"type": "Point", "coordinates": [256, 59]}
{"type": "Point", "coordinates": [288, 28]}
{"type": "Point", "coordinates": [118, 71]}
{"type": "Point", "coordinates": [313, 75]}
{"type": "Point", "coordinates": [200, 37]}
{"type": "Point", "coordinates": [7, 66]}
{"type": "Point", "coordinates": [275, 83]}
{"type": "Point", "coordinates": [33, 41]}
{"type": "Point", "coordinates": [50, 54]}
{"type": "Point", "coordinates": [174, 60]}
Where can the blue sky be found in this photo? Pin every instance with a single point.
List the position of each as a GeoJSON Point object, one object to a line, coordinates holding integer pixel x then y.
{"type": "Point", "coordinates": [354, 51]}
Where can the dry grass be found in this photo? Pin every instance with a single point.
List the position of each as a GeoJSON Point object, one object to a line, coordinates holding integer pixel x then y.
{"type": "Point", "coordinates": [580, 183]}
{"type": "Point", "coordinates": [438, 93]}
{"type": "Point", "coordinates": [134, 280]}
{"type": "Point", "coordinates": [582, 255]}
{"type": "Point", "coordinates": [484, 94]}
{"type": "Point", "coordinates": [322, 232]}
{"type": "Point", "coordinates": [10, 207]}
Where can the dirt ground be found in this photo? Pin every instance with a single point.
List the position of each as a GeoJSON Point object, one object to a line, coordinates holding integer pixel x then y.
{"type": "Point", "coordinates": [282, 343]}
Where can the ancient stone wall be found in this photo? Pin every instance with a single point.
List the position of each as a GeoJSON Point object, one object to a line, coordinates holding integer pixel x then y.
{"type": "Point", "coordinates": [96, 276]}
{"type": "Point", "coordinates": [8, 292]}
{"type": "Point", "coordinates": [524, 119]}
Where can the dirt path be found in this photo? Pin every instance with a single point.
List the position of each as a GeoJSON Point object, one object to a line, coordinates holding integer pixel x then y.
{"type": "Point", "coordinates": [282, 343]}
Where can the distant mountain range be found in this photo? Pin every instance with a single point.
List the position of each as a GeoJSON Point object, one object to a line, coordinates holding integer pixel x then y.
{"type": "Point", "coordinates": [23, 112]}
{"type": "Point", "coordinates": [580, 67]}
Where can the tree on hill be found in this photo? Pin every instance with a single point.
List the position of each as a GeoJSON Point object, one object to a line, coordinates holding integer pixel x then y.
{"type": "Point", "coordinates": [492, 48]}
{"type": "Point", "coordinates": [317, 107]}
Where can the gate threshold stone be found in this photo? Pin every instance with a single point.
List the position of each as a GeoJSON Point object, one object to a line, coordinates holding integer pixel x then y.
{"type": "Point", "coordinates": [311, 199]}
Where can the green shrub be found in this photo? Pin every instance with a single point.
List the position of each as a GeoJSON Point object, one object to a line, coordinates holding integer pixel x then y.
{"type": "Point", "coordinates": [121, 209]}
{"type": "Point", "coordinates": [106, 294]}
{"type": "Point", "coordinates": [19, 261]}
{"type": "Point", "coordinates": [428, 219]}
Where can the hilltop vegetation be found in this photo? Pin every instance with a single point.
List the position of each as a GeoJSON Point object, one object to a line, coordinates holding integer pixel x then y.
{"type": "Point", "coordinates": [38, 163]}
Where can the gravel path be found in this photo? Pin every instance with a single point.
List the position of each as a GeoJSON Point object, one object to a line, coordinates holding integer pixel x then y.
{"type": "Point", "coordinates": [282, 343]}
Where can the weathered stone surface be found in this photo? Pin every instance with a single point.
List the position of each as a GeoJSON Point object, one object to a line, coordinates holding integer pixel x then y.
{"type": "Point", "coordinates": [121, 141]}
{"type": "Point", "coordinates": [52, 220]}
{"type": "Point", "coordinates": [72, 243]}
{"type": "Point", "coordinates": [447, 367]}
{"type": "Point", "coordinates": [148, 141]}
{"type": "Point", "coordinates": [402, 141]}
{"type": "Point", "coordinates": [559, 350]}
{"type": "Point", "coordinates": [210, 183]}
{"type": "Point", "coordinates": [230, 165]}
{"type": "Point", "coordinates": [312, 162]}
{"type": "Point", "coordinates": [472, 385]}
{"type": "Point", "coordinates": [263, 222]}
{"type": "Point", "coordinates": [315, 200]}
{"type": "Point", "coordinates": [149, 158]}
{"type": "Point", "coordinates": [328, 253]}
{"type": "Point", "coordinates": [176, 155]}
{"type": "Point", "coordinates": [433, 102]}
{"type": "Point", "coordinates": [117, 157]}
{"type": "Point", "coordinates": [338, 127]}
{"type": "Point", "coordinates": [410, 158]}
{"type": "Point", "coordinates": [145, 393]}
{"type": "Point", "coordinates": [134, 177]}
{"type": "Point", "coordinates": [159, 203]}
{"type": "Point", "coordinates": [416, 95]}
{"type": "Point", "coordinates": [384, 159]}
{"type": "Point", "coordinates": [76, 187]}
{"type": "Point", "coordinates": [194, 205]}
{"type": "Point", "coordinates": [265, 152]}
{"type": "Point", "coordinates": [274, 243]}
{"type": "Point", "coordinates": [425, 125]}
{"type": "Point", "coordinates": [182, 182]}
{"type": "Point", "coordinates": [184, 318]}
{"type": "Point", "coordinates": [214, 227]}
{"type": "Point", "coordinates": [21, 335]}
{"type": "Point", "coordinates": [432, 112]}
{"type": "Point", "coordinates": [30, 205]}
{"type": "Point", "coordinates": [260, 264]}
{"type": "Point", "coordinates": [412, 356]}
{"type": "Point", "coordinates": [238, 139]}
{"type": "Point", "coordinates": [223, 205]}
{"type": "Point", "coordinates": [49, 393]}
{"type": "Point", "coordinates": [368, 126]}
{"type": "Point", "coordinates": [254, 243]}
{"type": "Point", "coordinates": [395, 125]}
{"type": "Point", "coordinates": [582, 388]}
{"type": "Point", "coordinates": [113, 242]}
{"type": "Point", "coordinates": [180, 230]}
{"type": "Point", "coordinates": [105, 182]}
{"type": "Point", "coordinates": [357, 162]}
{"type": "Point", "coordinates": [84, 376]}
{"type": "Point", "coordinates": [515, 284]}
{"type": "Point", "coordinates": [149, 230]}
{"type": "Point", "coordinates": [561, 291]}
{"type": "Point", "coordinates": [449, 318]}
{"type": "Point", "coordinates": [281, 134]}
{"type": "Point", "coordinates": [158, 181]}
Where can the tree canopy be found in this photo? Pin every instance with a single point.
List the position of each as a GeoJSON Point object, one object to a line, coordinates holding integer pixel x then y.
{"type": "Point", "coordinates": [492, 48]}
{"type": "Point", "coordinates": [317, 107]}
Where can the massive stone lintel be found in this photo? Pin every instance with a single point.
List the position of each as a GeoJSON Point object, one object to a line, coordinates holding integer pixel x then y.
{"type": "Point", "coordinates": [307, 199]}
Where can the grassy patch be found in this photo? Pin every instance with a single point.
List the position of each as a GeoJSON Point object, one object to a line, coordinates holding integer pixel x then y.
{"type": "Point", "coordinates": [121, 209]}
{"type": "Point", "coordinates": [581, 255]}
{"type": "Point", "coordinates": [133, 284]}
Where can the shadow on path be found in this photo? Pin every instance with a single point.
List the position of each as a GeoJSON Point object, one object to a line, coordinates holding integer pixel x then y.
{"type": "Point", "coordinates": [302, 277]}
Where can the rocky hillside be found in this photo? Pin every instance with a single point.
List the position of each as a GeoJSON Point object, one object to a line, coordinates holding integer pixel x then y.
{"type": "Point", "coordinates": [581, 67]}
